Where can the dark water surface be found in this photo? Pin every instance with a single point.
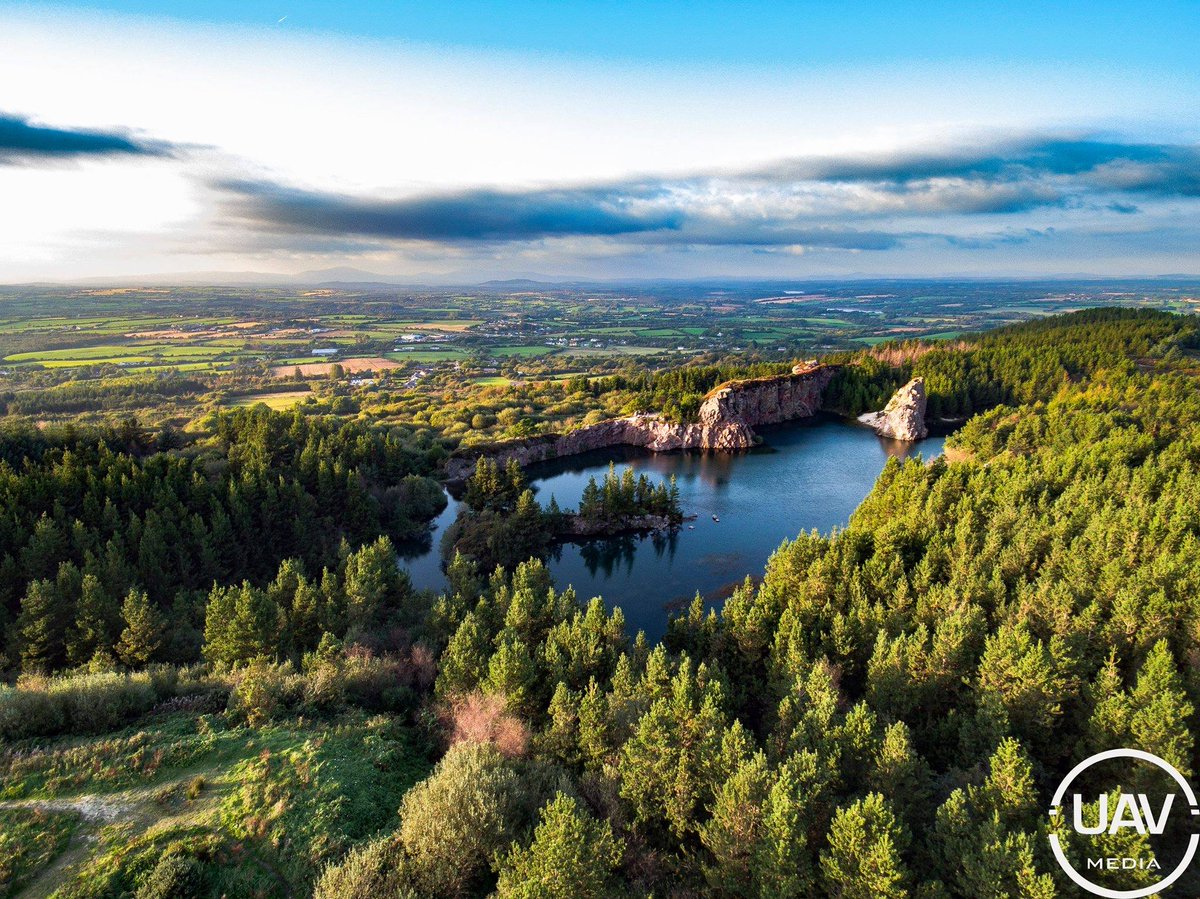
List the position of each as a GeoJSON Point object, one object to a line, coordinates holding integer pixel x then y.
{"type": "Point", "coordinates": [806, 475]}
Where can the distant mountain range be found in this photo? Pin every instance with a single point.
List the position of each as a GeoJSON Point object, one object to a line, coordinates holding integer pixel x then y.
{"type": "Point", "coordinates": [350, 277]}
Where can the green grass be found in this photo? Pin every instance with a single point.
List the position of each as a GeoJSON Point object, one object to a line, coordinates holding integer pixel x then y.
{"type": "Point", "coordinates": [873, 341]}
{"type": "Point", "coordinates": [614, 351]}
{"type": "Point", "coordinates": [185, 366]}
{"type": "Point", "coordinates": [941, 335]}
{"type": "Point", "coordinates": [423, 355]}
{"type": "Point", "coordinates": [659, 332]}
{"type": "Point", "coordinates": [77, 363]}
{"type": "Point", "coordinates": [523, 350]}
{"type": "Point", "coordinates": [30, 839]}
{"type": "Point", "coordinates": [134, 756]}
{"type": "Point", "coordinates": [240, 811]}
{"type": "Point", "coordinates": [313, 800]}
{"type": "Point", "coordinates": [494, 381]}
{"type": "Point", "coordinates": [108, 351]}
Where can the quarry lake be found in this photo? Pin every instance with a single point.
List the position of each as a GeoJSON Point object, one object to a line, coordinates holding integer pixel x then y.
{"type": "Point", "coordinates": [805, 475]}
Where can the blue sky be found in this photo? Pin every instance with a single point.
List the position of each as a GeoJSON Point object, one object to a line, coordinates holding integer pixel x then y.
{"type": "Point", "coordinates": [804, 33]}
{"type": "Point", "coordinates": [466, 140]}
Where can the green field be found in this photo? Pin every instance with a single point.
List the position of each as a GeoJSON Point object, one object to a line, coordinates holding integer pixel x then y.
{"type": "Point", "coordinates": [527, 350]}
{"type": "Point", "coordinates": [424, 355]}
{"type": "Point", "coordinates": [273, 400]}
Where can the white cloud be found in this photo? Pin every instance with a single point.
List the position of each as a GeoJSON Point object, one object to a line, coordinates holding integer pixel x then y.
{"type": "Point", "coordinates": [356, 116]}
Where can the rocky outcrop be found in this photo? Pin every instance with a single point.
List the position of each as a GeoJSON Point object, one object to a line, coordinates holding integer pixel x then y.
{"type": "Point", "coordinates": [726, 422]}
{"type": "Point", "coordinates": [903, 418]}
{"type": "Point", "coordinates": [580, 528]}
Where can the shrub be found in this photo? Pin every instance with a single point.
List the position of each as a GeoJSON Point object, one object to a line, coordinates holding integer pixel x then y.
{"type": "Point", "coordinates": [91, 702]}
{"type": "Point", "coordinates": [264, 690]}
{"type": "Point", "coordinates": [456, 820]}
{"type": "Point", "coordinates": [455, 823]}
{"type": "Point", "coordinates": [477, 718]}
{"type": "Point", "coordinates": [374, 871]}
{"type": "Point", "coordinates": [176, 876]}
{"type": "Point", "coordinates": [384, 683]}
{"type": "Point", "coordinates": [29, 711]}
{"type": "Point", "coordinates": [195, 787]}
{"type": "Point", "coordinates": [94, 703]}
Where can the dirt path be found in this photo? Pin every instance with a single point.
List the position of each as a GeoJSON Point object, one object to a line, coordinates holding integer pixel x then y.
{"type": "Point", "coordinates": [94, 812]}
{"type": "Point", "coordinates": [102, 809]}
{"type": "Point", "coordinates": [135, 806]}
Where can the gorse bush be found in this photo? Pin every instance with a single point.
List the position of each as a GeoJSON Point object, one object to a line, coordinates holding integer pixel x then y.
{"type": "Point", "coordinates": [175, 876]}
{"type": "Point", "coordinates": [454, 828]}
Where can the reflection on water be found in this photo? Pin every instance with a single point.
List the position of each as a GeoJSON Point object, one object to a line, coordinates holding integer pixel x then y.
{"type": "Point", "coordinates": [806, 475]}
{"type": "Point", "coordinates": [604, 557]}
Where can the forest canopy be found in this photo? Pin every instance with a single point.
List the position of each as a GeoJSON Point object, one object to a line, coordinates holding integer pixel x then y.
{"type": "Point", "coordinates": [885, 712]}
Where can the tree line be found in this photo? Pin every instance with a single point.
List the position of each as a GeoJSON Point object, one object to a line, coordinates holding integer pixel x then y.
{"type": "Point", "coordinates": [101, 528]}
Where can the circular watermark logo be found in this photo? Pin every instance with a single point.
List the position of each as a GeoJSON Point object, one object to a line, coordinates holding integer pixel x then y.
{"type": "Point", "coordinates": [1137, 812]}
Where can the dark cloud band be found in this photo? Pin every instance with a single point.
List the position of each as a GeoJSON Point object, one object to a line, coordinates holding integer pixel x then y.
{"type": "Point", "coordinates": [466, 216]}
{"type": "Point", "coordinates": [1151, 168]}
{"type": "Point", "coordinates": [851, 204]}
{"type": "Point", "coordinates": [22, 142]}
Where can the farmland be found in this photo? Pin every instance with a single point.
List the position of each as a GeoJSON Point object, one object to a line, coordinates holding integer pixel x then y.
{"type": "Point", "coordinates": [393, 353]}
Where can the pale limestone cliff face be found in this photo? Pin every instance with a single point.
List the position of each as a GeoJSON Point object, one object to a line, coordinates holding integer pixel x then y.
{"type": "Point", "coordinates": [725, 423]}
{"type": "Point", "coordinates": [903, 418]}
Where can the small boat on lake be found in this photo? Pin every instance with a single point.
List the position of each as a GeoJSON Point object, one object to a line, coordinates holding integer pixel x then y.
{"type": "Point", "coordinates": [715, 518]}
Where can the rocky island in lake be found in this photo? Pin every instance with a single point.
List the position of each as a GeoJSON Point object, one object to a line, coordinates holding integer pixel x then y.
{"type": "Point", "coordinates": [500, 522]}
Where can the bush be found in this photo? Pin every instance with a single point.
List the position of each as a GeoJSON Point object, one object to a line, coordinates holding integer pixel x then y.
{"type": "Point", "coordinates": [95, 703]}
{"type": "Point", "coordinates": [458, 821]}
{"type": "Point", "coordinates": [264, 690]}
{"type": "Point", "coordinates": [454, 822]}
{"type": "Point", "coordinates": [381, 683]}
{"type": "Point", "coordinates": [176, 876]}
{"type": "Point", "coordinates": [28, 711]}
{"type": "Point", "coordinates": [378, 870]}
{"type": "Point", "coordinates": [90, 702]}
{"type": "Point", "coordinates": [476, 718]}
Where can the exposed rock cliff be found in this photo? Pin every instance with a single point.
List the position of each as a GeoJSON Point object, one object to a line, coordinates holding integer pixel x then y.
{"type": "Point", "coordinates": [725, 422]}
{"type": "Point", "coordinates": [903, 418]}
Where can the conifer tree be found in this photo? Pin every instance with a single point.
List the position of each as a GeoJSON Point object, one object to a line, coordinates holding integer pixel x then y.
{"type": "Point", "coordinates": [41, 626]}
{"type": "Point", "coordinates": [734, 834]}
{"type": "Point", "coordinates": [864, 860]}
{"type": "Point", "coordinates": [97, 620]}
{"type": "Point", "coordinates": [670, 769]}
{"type": "Point", "coordinates": [511, 673]}
{"type": "Point", "coordinates": [143, 632]}
{"type": "Point", "coordinates": [464, 662]}
{"type": "Point", "coordinates": [572, 856]}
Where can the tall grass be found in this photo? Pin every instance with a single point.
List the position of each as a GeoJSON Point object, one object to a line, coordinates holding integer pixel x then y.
{"type": "Point", "coordinates": [91, 703]}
